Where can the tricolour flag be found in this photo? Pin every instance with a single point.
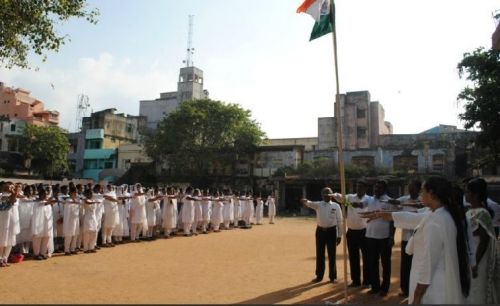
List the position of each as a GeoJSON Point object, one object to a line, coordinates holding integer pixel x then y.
{"type": "Point", "coordinates": [322, 14]}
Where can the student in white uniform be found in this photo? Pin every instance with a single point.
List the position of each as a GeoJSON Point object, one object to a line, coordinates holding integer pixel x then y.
{"type": "Point", "coordinates": [58, 214]}
{"type": "Point", "coordinates": [25, 237]}
{"type": "Point", "coordinates": [411, 203]}
{"type": "Point", "coordinates": [71, 223]}
{"type": "Point", "coordinates": [440, 270]}
{"type": "Point", "coordinates": [217, 205]}
{"type": "Point", "coordinates": [111, 216]}
{"type": "Point", "coordinates": [42, 224]}
{"type": "Point", "coordinates": [259, 211]}
{"type": "Point", "coordinates": [206, 210]}
{"type": "Point", "coordinates": [237, 208]}
{"type": "Point", "coordinates": [9, 220]}
{"type": "Point", "coordinates": [152, 206]}
{"type": "Point", "coordinates": [138, 213]}
{"type": "Point", "coordinates": [328, 233]}
{"type": "Point", "coordinates": [228, 209]}
{"type": "Point", "coordinates": [188, 212]}
{"type": "Point", "coordinates": [247, 208]}
{"type": "Point", "coordinates": [483, 288]}
{"type": "Point", "coordinates": [90, 222]}
{"type": "Point", "coordinates": [271, 208]}
{"type": "Point", "coordinates": [198, 212]}
{"type": "Point", "coordinates": [99, 212]}
{"type": "Point", "coordinates": [169, 212]}
{"type": "Point", "coordinates": [121, 229]}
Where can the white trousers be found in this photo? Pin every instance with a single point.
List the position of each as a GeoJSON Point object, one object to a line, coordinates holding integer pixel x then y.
{"type": "Point", "coordinates": [271, 219]}
{"type": "Point", "coordinates": [135, 231]}
{"type": "Point", "coordinates": [40, 245]}
{"type": "Point", "coordinates": [107, 232]}
{"type": "Point", "coordinates": [4, 253]}
{"type": "Point", "coordinates": [89, 240]}
{"type": "Point", "coordinates": [70, 243]}
{"type": "Point", "coordinates": [187, 228]}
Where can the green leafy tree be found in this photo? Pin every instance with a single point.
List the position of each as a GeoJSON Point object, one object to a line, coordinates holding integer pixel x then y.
{"type": "Point", "coordinates": [204, 137]}
{"type": "Point", "coordinates": [29, 25]}
{"type": "Point", "coordinates": [46, 148]}
{"type": "Point", "coordinates": [482, 99]}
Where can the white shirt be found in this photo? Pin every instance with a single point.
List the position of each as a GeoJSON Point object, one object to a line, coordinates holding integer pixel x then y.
{"type": "Point", "coordinates": [378, 228]}
{"type": "Point", "coordinates": [406, 199]}
{"type": "Point", "coordinates": [353, 220]}
{"type": "Point", "coordinates": [328, 214]}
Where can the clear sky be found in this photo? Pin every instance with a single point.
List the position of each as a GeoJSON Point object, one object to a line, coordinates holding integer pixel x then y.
{"type": "Point", "coordinates": [257, 53]}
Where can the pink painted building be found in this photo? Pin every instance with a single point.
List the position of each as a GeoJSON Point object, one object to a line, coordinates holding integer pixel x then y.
{"type": "Point", "coordinates": [17, 103]}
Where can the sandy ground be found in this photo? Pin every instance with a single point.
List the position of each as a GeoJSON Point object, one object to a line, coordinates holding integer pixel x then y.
{"type": "Point", "coordinates": [268, 264]}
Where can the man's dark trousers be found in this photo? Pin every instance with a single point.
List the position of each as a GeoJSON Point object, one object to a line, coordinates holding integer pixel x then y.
{"type": "Point", "coordinates": [405, 269]}
{"type": "Point", "coordinates": [356, 243]}
{"type": "Point", "coordinates": [326, 237]}
{"type": "Point", "coordinates": [379, 250]}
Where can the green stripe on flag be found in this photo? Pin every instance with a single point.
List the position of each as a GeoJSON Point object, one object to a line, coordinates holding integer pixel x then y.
{"type": "Point", "coordinates": [324, 26]}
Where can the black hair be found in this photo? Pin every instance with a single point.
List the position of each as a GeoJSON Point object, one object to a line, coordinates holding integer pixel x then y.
{"type": "Point", "coordinates": [442, 189]}
{"type": "Point", "coordinates": [479, 187]}
{"type": "Point", "coordinates": [383, 184]}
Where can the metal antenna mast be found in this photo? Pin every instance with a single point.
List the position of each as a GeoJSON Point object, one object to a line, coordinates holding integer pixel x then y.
{"type": "Point", "coordinates": [81, 110]}
{"type": "Point", "coordinates": [190, 50]}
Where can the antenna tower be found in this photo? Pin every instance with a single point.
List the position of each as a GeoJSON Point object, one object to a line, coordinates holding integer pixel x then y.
{"type": "Point", "coordinates": [190, 50]}
{"type": "Point", "coordinates": [81, 110]}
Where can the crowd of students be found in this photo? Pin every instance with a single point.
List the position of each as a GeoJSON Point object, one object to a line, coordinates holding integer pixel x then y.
{"type": "Point", "coordinates": [39, 220]}
{"type": "Point", "coordinates": [449, 249]}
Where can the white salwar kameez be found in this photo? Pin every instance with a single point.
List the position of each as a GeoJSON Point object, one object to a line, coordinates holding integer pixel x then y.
{"type": "Point", "coordinates": [228, 211]}
{"type": "Point", "coordinates": [271, 211]}
{"type": "Point", "coordinates": [71, 224]}
{"type": "Point", "coordinates": [259, 211]}
{"type": "Point", "coordinates": [187, 215]}
{"type": "Point", "coordinates": [217, 217]}
{"type": "Point", "coordinates": [169, 215]}
{"type": "Point", "coordinates": [435, 259]}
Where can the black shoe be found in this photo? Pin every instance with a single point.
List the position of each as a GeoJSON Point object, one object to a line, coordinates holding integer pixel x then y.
{"type": "Point", "coordinates": [316, 280]}
{"type": "Point", "coordinates": [373, 291]}
{"type": "Point", "coordinates": [382, 293]}
{"type": "Point", "coordinates": [354, 285]}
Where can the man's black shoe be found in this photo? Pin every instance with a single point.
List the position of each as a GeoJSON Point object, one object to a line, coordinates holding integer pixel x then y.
{"type": "Point", "coordinates": [354, 285]}
{"type": "Point", "coordinates": [316, 280]}
{"type": "Point", "coordinates": [373, 291]}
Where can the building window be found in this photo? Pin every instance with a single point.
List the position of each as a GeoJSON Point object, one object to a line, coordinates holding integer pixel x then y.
{"type": "Point", "coordinates": [367, 162]}
{"type": "Point", "coordinates": [12, 127]}
{"type": "Point", "coordinates": [361, 133]}
{"type": "Point", "coordinates": [361, 113]}
{"type": "Point", "coordinates": [129, 128]}
{"type": "Point", "coordinates": [11, 145]}
{"type": "Point", "coordinates": [405, 163]}
{"type": "Point", "coordinates": [108, 165]}
{"type": "Point", "coordinates": [93, 144]}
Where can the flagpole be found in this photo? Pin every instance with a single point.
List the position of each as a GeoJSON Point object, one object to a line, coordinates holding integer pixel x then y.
{"type": "Point", "coordinates": [340, 147]}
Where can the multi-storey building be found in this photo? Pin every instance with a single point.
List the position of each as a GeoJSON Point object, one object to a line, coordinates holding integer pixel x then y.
{"type": "Point", "coordinates": [19, 104]}
{"type": "Point", "coordinates": [189, 86]}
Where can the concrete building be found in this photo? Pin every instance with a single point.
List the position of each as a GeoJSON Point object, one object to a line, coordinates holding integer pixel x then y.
{"type": "Point", "coordinates": [10, 131]}
{"type": "Point", "coordinates": [131, 153]}
{"type": "Point", "coordinates": [189, 86]}
{"type": "Point", "coordinates": [94, 153]}
{"type": "Point", "coordinates": [19, 104]}
{"type": "Point", "coordinates": [495, 38]}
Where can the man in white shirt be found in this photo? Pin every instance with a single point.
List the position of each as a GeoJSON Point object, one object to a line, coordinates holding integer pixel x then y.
{"type": "Point", "coordinates": [410, 203]}
{"type": "Point", "coordinates": [356, 230]}
{"type": "Point", "coordinates": [379, 241]}
{"type": "Point", "coordinates": [328, 233]}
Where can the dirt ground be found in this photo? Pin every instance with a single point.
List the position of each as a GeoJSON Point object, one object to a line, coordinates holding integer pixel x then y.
{"type": "Point", "coordinates": [268, 264]}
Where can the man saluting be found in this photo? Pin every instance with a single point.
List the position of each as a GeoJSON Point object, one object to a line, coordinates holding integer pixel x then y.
{"type": "Point", "coordinates": [328, 233]}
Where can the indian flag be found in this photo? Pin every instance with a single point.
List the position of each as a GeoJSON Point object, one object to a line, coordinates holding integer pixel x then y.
{"type": "Point", "coordinates": [322, 14]}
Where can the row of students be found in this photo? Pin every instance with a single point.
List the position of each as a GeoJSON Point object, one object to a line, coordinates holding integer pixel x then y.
{"type": "Point", "coordinates": [71, 217]}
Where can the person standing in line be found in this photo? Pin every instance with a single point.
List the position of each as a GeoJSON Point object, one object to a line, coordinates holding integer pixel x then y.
{"type": "Point", "coordinates": [483, 289]}
{"type": "Point", "coordinates": [197, 220]}
{"type": "Point", "coordinates": [152, 205]}
{"type": "Point", "coordinates": [271, 207]}
{"type": "Point", "coordinates": [9, 220]}
{"type": "Point", "coordinates": [71, 224]}
{"type": "Point", "coordinates": [206, 210]}
{"type": "Point", "coordinates": [42, 224]}
{"type": "Point", "coordinates": [411, 202]}
{"type": "Point", "coordinates": [379, 241]}
{"type": "Point", "coordinates": [99, 213]}
{"type": "Point", "coordinates": [58, 214]}
{"type": "Point", "coordinates": [328, 233]}
{"type": "Point", "coordinates": [237, 209]}
{"type": "Point", "coordinates": [218, 206]}
{"type": "Point", "coordinates": [356, 231]}
{"type": "Point", "coordinates": [111, 216]}
{"type": "Point", "coordinates": [169, 212]}
{"type": "Point", "coordinates": [24, 238]}
{"type": "Point", "coordinates": [90, 222]}
{"type": "Point", "coordinates": [138, 213]}
{"type": "Point", "coordinates": [259, 210]}
{"type": "Point", "coordinates": [228, 209]}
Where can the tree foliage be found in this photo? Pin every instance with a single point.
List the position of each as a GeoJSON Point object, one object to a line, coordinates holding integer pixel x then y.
{"type": "Point", "coordinates": [482, 98]}
{"type": "Point", "coordinates": [29, 25]}
{"type": "Point", "coordinates": [204, 136]}
{"type": "Point", "coordinates": [47, 148]}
